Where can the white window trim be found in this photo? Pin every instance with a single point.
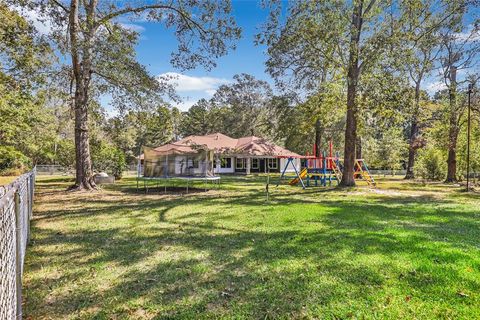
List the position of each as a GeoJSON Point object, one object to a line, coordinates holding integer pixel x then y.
{"type": "Point", "coordinates": [226, 163]}
{"type": "Point", "coordinates": [239, 161]}
{"type": "Point", "coordinates": [271, 162]}
{"type": "Point", "coordinates": [252, 163]}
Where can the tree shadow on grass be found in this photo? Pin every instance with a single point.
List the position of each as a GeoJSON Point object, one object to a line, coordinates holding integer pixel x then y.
{"type": "Point", "coordinates": [183, 265]}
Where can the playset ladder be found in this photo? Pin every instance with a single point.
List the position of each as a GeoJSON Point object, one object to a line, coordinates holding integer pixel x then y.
{"type": "Point", "coordinates": [362, 170]}
{"type": "Point", "coordinates": [336, 170]}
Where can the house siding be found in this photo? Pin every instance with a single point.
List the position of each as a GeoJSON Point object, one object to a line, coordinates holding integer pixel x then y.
{"type": "Point", "coordinates": [290, 168]}
{"type": "Point", "coordinates": [219, 169]}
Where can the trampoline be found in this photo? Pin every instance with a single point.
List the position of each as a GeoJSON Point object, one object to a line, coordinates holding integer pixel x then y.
{"type": "Point", "coordinates": [214, 180]}
{"type": "Point", "coordinates": [174, 163]}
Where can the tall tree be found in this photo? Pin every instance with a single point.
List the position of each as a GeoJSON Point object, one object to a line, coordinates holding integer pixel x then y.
{"type": "Point", "coordinates": [25, 120]}
{"type": "Point", "coordinates": [351, 36]}
{"type": "Point", "coordinates": [420, 47]}
{"type": "Point", "coordinates": [248, 105]}
{"type": "Point", "coordinates": [361, 29]}
{"type": "Point", "coordinates": [101, 51]}
{"type": "Point", "coordinates": [300, 58]}
{"type": "Point", "coordinates": [196, 120]}
{"type": "Point", "coordinates": [460, 49]}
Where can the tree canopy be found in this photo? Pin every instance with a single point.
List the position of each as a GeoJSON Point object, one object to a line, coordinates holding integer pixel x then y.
{"type": "Point", "coordinates": [384, 80]}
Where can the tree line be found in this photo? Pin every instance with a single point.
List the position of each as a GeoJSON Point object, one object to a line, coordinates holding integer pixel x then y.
{"type": "Point", "coordinates": [354, 72]}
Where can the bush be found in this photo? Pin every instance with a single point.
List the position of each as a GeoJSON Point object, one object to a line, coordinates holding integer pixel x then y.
{"type": "Point", "coordinates": [118, 163]}
{"type": "Point", "coordinates": [108, 158]}
{"type": "Point", "coordinates": [65, 155]}
{"type": "Point", "coordinates": [431, 164]}
{"type": "Point", "coordinates": [12, 161]}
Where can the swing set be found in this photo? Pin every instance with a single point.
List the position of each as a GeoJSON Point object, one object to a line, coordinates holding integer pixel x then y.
{"type": "Point", "coordinates": [318, 171]}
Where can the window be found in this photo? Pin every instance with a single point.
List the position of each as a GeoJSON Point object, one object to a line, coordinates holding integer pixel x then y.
{"type": "Point", "coordinates": [225, 162]}
{"type": "Point", "coordinates": [240, 163]}
{"type": "Point", "coordinates": [192, 163]}
{"type": "Point", "coordinates": [272, 163]}
{"type": "Point", "coordinates": [255, 163]}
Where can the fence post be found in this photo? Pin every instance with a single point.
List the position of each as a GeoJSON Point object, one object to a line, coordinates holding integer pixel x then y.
{"type": "Point", "coordinates": [18, 254]}
{"type": "Point", "coordinates": [29, 202]}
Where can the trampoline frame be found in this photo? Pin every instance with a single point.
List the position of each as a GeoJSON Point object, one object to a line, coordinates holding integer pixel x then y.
{"type": "Point", "coordinates": [214, 179]}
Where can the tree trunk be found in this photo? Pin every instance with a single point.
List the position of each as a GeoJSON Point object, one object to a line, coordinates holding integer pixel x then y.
{"type": "Point", "coordinates": [453, 129]}
{"type": "Point", "coordinates": [318, 138]}
{"type": "Point", "coordinates": [82, 75]}
{"type": "Point", "coordinates": [452, 149]}
{"type": "Point", "coordinates": [352, 81]}
{"type": "Point", "coordinates": [412, 149]}
{"type": "Point", "coordinates": [452, 163]}
{"type": "Point", "coordinates": [358, 148]}
{"type": "Point", "coordinates": [350, 138]}
{"type": "Point", "coordinates": [84, 173]}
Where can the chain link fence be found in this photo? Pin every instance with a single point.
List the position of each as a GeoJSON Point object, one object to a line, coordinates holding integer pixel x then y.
{"type": "Point", "coordinates": [16, 201]}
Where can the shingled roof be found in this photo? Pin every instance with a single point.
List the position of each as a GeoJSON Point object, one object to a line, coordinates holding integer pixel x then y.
{"type": "Point", "coordinates": [220, 143]}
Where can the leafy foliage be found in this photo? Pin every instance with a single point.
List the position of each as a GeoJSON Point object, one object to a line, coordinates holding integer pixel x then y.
{"type": "Point", "coordinates": [25, 120]}
{"type": "Point", "coordinates": [431, 164]}
{"type": "Point", "coordinates": [12, 162]}
{"type": "Point", "coordinates": [106, 157]}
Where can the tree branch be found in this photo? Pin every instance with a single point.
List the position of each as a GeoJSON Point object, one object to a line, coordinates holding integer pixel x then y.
{"type": "Point", "coordinates": [369, 7]}
{"type": "Point", "coordinates": [59, 4]}
{"type": "Point", "coordinates": [184, 16]}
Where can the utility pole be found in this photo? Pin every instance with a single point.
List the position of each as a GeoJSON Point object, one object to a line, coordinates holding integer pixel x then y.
{"type": "Point", "coordinates": [470, 90]}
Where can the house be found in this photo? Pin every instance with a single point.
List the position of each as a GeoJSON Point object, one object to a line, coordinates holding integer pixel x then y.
{"type": "Point", "coordinates": [217, 154]}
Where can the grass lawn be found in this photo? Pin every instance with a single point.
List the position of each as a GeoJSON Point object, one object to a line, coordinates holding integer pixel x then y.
{"type": "Point", "coordinates": [406, 250]}
{"type": "Point", "coordinates": [4, 180]}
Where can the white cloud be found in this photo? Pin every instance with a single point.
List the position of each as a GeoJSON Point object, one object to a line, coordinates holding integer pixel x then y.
{"type": "Point", "coordinates": [185, 104]}
{"type": "Point", "coordinates": [191, 88]}
{"type": "Point", "coordinates": [133, 27]}
{"type": "Point", "coordinates": [471, 34]}
{"type": "Point", "coordinates": [44, 26]}
{"type": "Point", "coordinates": [435, 86]}
{"type": "Point", "coordinates": [210, 92]}
{"type": "Point", "coordinates": [184, 83]}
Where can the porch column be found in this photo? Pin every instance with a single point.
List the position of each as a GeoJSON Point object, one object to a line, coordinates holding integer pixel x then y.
{"type": "Point", "coordinates": [248, 165]}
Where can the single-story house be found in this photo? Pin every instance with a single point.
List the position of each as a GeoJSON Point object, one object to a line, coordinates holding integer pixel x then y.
{"type": "Point", "coordinates": [217, 153]}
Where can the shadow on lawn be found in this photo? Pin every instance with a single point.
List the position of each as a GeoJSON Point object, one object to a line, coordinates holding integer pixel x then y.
{"type": "Point", "coordinates": [249, 272]}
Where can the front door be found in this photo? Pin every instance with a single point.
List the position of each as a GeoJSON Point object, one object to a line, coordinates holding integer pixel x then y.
{"type": "Point", "coordinates": [262, 166]}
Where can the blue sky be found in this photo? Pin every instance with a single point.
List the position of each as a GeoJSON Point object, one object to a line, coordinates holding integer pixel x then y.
{"type": "Point", "coordinates": [157, 43]}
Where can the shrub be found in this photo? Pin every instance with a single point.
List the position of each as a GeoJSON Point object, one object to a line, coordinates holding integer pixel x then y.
{"type": "Point", "coordinates": [65, 155]}
{"type": "Point", "coordinates": [12, 161]}
{"type": "Point", "coordinates": [108, 158]}
{"type": "Point", "coordinates": [431, 164]}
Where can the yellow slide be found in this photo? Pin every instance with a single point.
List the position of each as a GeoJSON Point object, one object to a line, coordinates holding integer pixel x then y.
{"type": "Point", "coordinates": [296, 180]}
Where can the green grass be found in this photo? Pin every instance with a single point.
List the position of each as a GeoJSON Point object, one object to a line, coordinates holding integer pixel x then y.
{"type": "Point", "coordinates": [4, 180]}
{"type": "Point", "coordinates": [406, 250]}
